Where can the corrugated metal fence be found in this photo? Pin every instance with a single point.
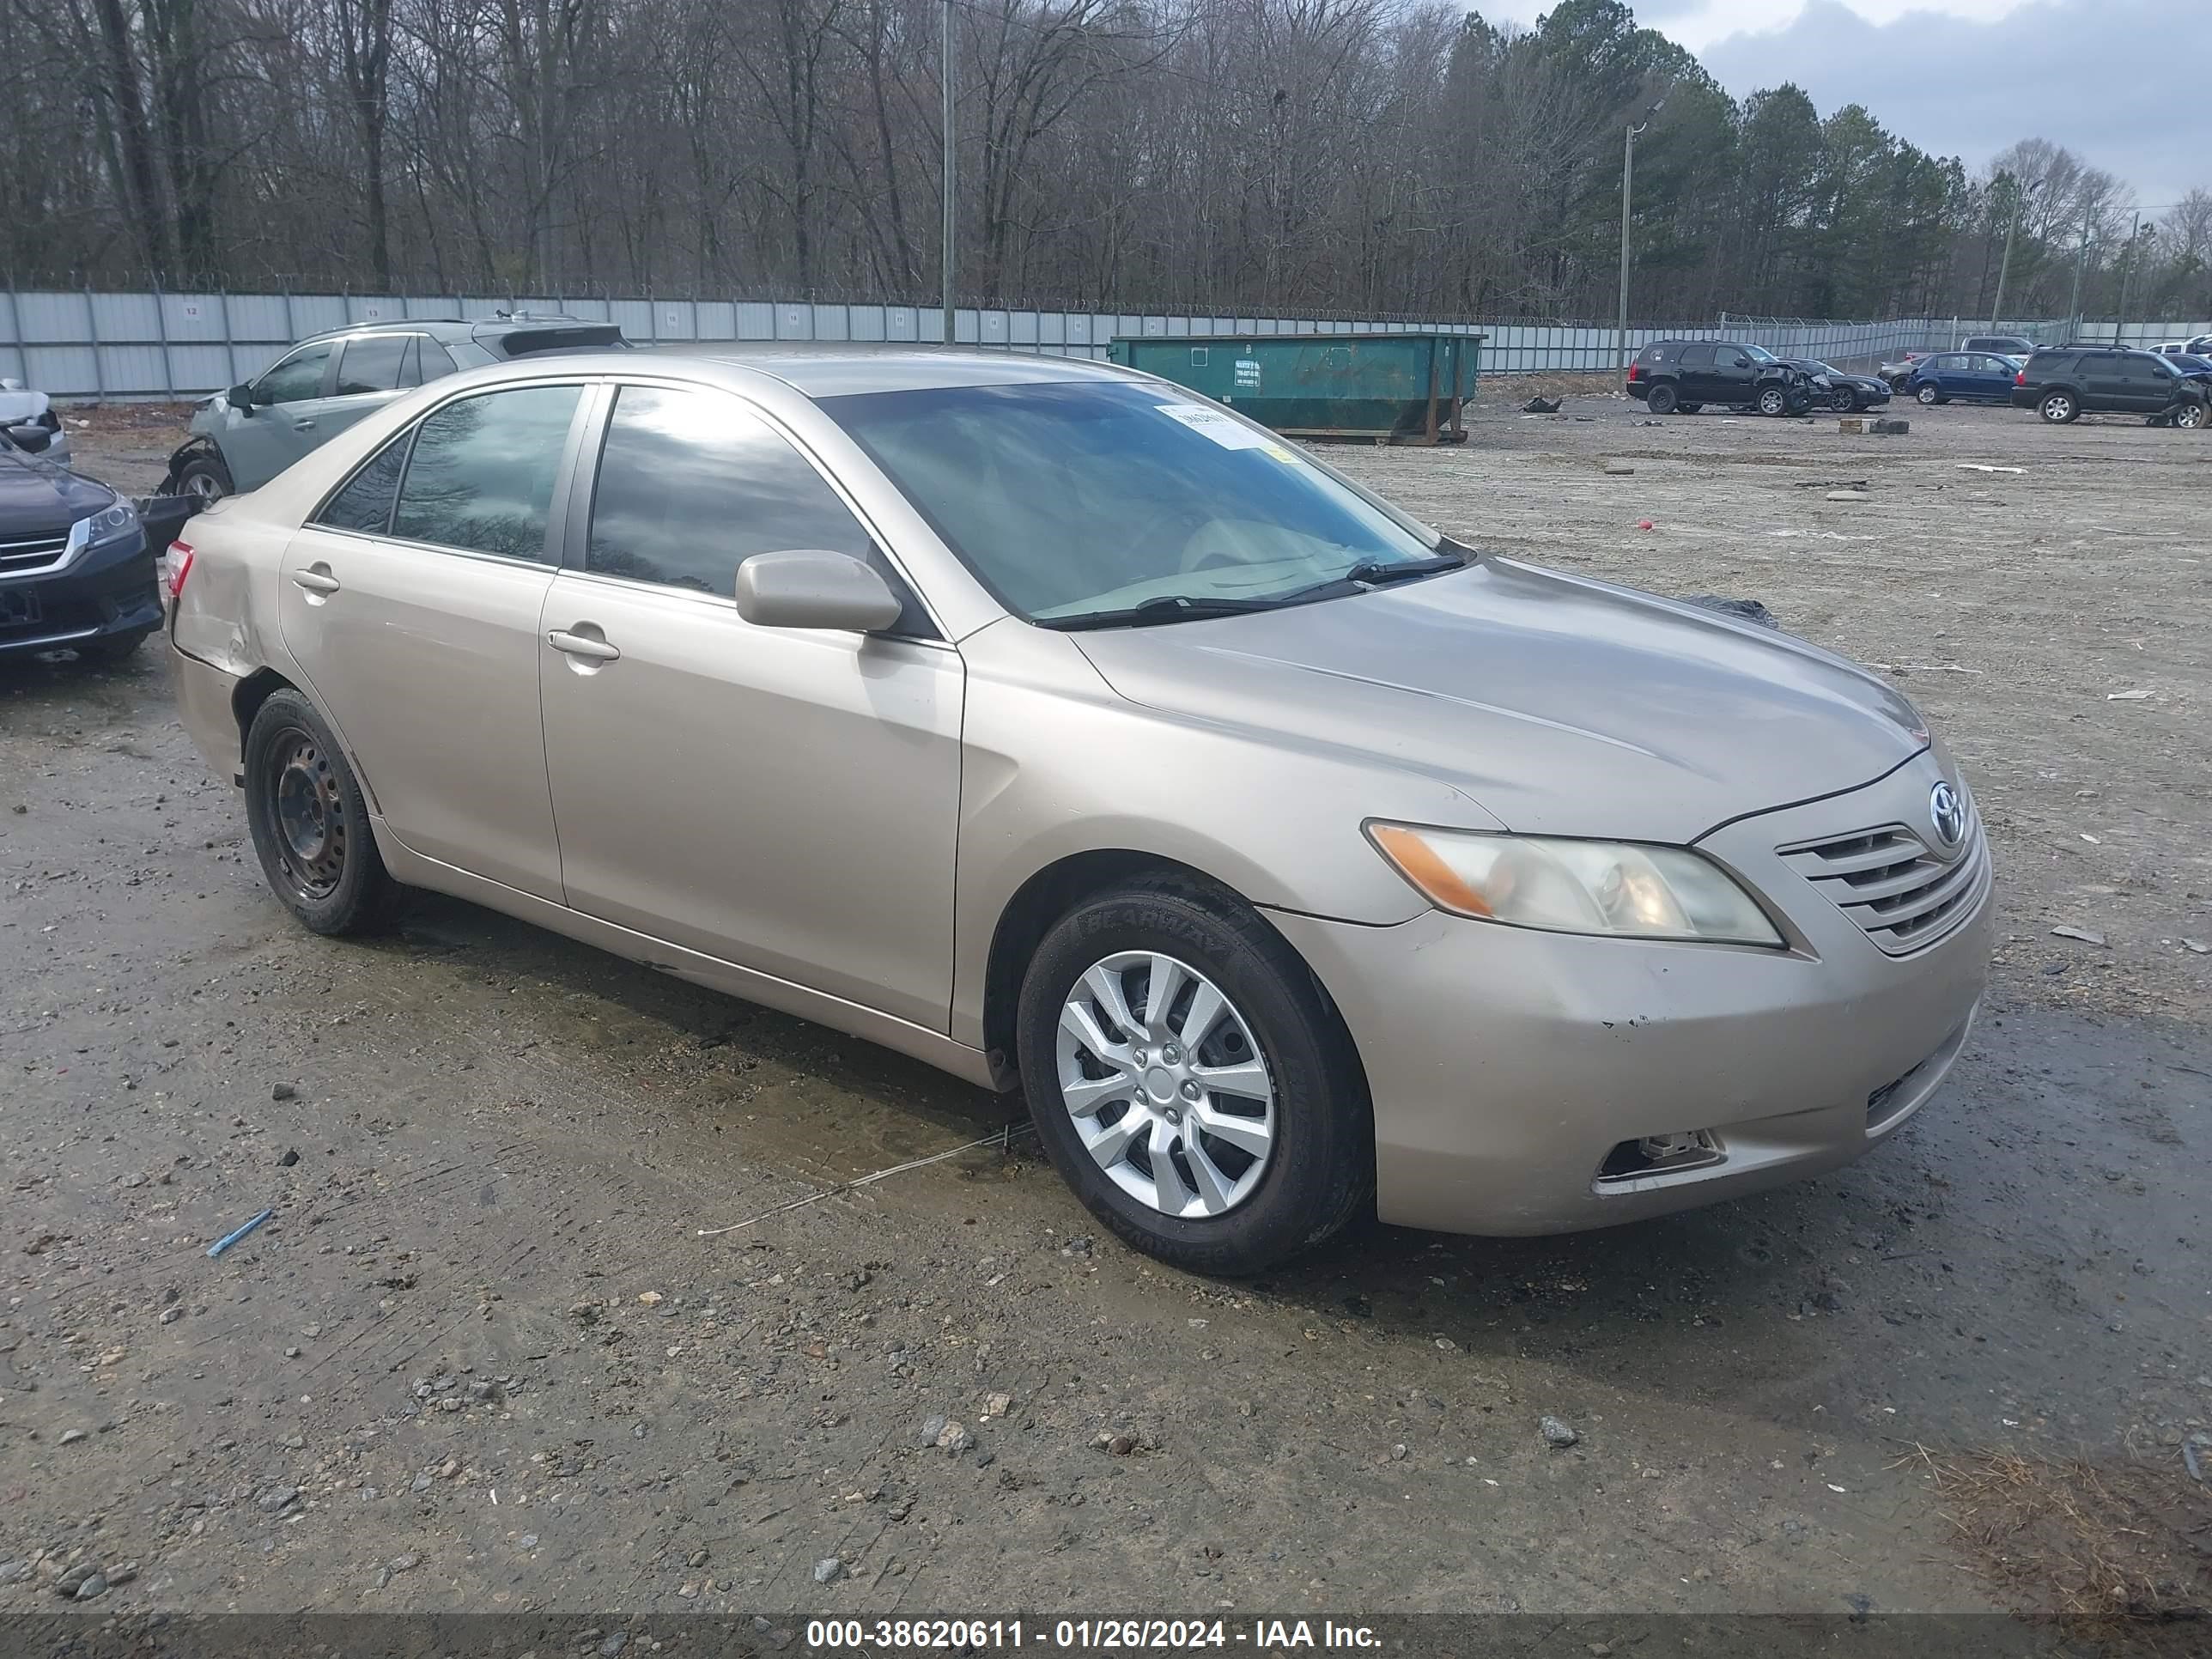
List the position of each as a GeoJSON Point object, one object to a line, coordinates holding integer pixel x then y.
{"type": "Point", "coordinates": [83, 344]}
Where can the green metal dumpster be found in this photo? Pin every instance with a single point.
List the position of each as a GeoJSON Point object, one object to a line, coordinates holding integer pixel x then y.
{"type": "Point", "coordinates": [1394, 388]}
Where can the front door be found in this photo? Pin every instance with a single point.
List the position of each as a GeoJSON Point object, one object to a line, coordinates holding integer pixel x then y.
{"type": "Point", "coordinates": [784, 799]}
{"type": "Point", "coordinates": [414, 612]}
{"type": "Point", "coordinates": [1735, 374]}
{"type": "Point", "coordinates": [260, 442]}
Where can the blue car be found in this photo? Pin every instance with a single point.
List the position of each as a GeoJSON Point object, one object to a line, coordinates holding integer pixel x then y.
{"type": "Point", "coordinates": [1974, 377]}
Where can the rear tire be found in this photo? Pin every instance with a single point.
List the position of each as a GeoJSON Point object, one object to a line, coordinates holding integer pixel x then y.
{"type": "Point", "coordinates": [1927, 397]}
{"type": "Point", "coordinates": [1661, 400]}
{"type": "Point", "coordinates": [1271, 1024]}
{"type": "Point", "coordinates": [2060, 408]}
{"type": "Point", "coordinates": [310, 823]}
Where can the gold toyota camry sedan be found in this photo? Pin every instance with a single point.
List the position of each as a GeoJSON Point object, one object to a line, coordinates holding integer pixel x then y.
{"type": "Point", "coordinates": [1063, 728]}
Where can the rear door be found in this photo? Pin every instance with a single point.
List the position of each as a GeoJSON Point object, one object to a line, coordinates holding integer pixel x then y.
{"type": "Point", "coordinates": [371, 370]}
{"type": "Point", "coordinates": [413, 603]}
{"type": "Point", "coordinates": [1694, 378]}
{"type": "Point", "coordinates": [2100, 376]}
{"type": "Point", "coordinates": [784, 799]}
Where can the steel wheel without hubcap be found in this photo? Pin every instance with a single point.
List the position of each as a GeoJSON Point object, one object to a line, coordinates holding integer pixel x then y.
{"type": "Point", "coordinates": [309, 813]}
{"type": "Point", "coordinates": [1928, 396]}
{"type": "Point", "coordinates": [1169, 1092]}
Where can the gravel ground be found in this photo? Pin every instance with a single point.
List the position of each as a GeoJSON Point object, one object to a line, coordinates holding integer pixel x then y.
{"type": "Point", "coordinates": [481, 1356]}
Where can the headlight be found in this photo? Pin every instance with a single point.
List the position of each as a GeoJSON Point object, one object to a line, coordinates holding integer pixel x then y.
{"type": "Point", "coordinates": [1608, 887]}
{"type": "Point", "coordinates": [106, 526]}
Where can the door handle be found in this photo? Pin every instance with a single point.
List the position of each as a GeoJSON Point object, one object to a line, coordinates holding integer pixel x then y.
{"type": "Point", "coordinates": [303, 426]}
{"type": "Point", "coordinates": [581, 644]}
{"type": "Point", "coordinates": [315, 578]}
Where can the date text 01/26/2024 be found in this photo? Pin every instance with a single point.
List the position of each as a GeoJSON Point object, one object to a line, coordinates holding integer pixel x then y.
{"type": "Point", "coordinates": [1085, 1635]}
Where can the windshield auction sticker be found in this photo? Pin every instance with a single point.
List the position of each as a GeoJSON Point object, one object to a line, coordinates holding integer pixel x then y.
{"type": "Point", "coordinates": [1223, 427]}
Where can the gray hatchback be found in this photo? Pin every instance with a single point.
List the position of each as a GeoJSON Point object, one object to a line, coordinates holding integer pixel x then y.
{"type": "Point", "coordinates": [245, 436]}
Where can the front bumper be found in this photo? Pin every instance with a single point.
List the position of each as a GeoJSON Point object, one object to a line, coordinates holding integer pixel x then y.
{"type": "Point", "coordinates": [105, 592]}
{"type": "Point", "coordinates": [1507, 1065]}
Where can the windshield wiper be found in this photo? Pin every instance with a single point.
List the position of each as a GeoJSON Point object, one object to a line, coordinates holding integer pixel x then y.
{"type": "Point", "coordinates": [1164, 608]}
{"type": "Point", "coordinates": [1374, 573]}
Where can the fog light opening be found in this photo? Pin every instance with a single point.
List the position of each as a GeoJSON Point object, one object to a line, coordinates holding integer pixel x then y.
{"type": "Point", "coordinates": [1654, 1155]}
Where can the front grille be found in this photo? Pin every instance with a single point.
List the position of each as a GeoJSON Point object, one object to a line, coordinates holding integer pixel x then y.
{"type": "Point", "coordinates": [28, 556]}
{"type": "Point", "coordinates": [1895, 884]}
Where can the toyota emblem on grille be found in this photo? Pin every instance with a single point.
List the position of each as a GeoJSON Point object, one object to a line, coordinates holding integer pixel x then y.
{"type": "Point", "coordinates": [1949, 814]}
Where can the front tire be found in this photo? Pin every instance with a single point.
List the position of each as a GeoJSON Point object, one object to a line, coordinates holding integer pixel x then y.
{"type": "Point", "coordinates": [2190, 416]}
{"type": "Point", "coordinates": [1843, 400]}
{"type": "Point", "coordinates": [1660, 399]}
{"type": "Point", "coordinates": [2060, 409]}
{"type": "Point", "coordinates": [1190, 1080]}
{"type": "Point", "coordinates": [1773, 401]}
{"type": "Point", "coordinates": [205, 480]}
{"type": "Point", "coordinates": [310, 823]}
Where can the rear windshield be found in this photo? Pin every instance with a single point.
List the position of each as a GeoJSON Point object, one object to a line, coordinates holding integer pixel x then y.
{"type": "Point", "coordinates": [524, 341]}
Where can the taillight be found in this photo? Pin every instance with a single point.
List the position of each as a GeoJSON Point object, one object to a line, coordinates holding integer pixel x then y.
{"type": "Point", "coordinates": [176, 564]}
{"type": "Point", "coordinates": [1636, 371]}
{"type": "Point", "coordinates": [2020, 377]}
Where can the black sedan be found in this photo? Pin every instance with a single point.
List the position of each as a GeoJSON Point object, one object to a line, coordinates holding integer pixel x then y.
{"type": "Point", "coordinates": [1848, 393]}
{"type": "Point", "coordinates": [76, 570]}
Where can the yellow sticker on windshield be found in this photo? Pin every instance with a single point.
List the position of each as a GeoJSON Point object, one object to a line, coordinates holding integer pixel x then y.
{"type": "Point", "coordinates": [1277, 452]}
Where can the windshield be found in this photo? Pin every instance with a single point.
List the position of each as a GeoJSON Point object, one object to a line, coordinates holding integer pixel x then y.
{"type": "Point", "coordinates": [1075, 498]}
{"type": "Point", "coordinates": [1761, 355]}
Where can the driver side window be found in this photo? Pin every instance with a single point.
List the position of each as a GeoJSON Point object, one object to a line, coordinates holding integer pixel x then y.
{"type": "Point", "coordinates": [297, 377]}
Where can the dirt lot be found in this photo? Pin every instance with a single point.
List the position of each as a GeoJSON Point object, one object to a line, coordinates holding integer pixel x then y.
{"type": "Point", "coordinates": [483, 1358]}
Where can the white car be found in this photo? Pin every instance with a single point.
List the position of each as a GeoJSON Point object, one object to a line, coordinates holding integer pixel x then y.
{"type": "Point", "coordinates": [2191, 348]}
{"type": "Point", "coordinates": [27, 420]}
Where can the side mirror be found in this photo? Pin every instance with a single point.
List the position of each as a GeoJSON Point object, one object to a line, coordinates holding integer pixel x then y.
{"type": "Point", "coordinates": [240, 398]}
{"type": "Point", "coordinates": [813, 587]}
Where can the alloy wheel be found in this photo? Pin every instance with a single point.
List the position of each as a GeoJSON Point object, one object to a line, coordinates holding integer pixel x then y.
{"type": "Point", "coordinates": [308, 814]}
{"type": "Point", "coordinates": [1770, 402]}
{"type": "Point", "coordinates": [203, 487]}
{"type": "Point", "coordinates": [1167, 1087]}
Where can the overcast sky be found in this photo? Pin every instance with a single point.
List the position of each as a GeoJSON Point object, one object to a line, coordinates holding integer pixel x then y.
{"type": "Point", "coordinates": [2125, 84]}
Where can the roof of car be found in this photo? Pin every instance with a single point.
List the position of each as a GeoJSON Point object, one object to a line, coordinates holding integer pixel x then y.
{"type": "Point", "coordinates": [830, 372]}
{"type": "Point", "coordinates": [461, 328]}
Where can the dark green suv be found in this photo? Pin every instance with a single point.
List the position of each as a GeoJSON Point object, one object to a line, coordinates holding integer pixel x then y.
{"type": "Point", "coordinates": [2063, 383]}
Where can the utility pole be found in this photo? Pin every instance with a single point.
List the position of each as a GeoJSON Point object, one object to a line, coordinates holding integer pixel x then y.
{"type": "Point", "coordinates": [2081, 259]}
{"type": "Point", "coordinates": [2127, 275]}
{"type": "Point", "coordinates": [1627, 176]}
{"type": "Point", "coordinates": [950, 198]}
{"type": "Point", "coordinates": [2019, 207]}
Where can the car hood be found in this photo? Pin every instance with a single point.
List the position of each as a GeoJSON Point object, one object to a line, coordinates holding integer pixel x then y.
{"type": "Point", "coordinates": [1559, 705]}
{"type": "Point", "coordinates": [37, 496]}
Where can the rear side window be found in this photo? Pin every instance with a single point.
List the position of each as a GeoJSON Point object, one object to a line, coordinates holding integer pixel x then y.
{"type": "Point", "coordinates": [373, 362]}
{"type": "Point", "coordinates": [365, 503]}
{"type": "Point", "coordinates": [1696, 356]}
{"type": "Point", "coordinates": [2053, 362]}
{"type": "Point", "coordinates": [481, 474]}
{"type": "Point", "coordinates": [432, 361]}
{"type": "Point", "coordinates": [692, 484]}
{"type": "Point", "coordinates": [1654, 354]}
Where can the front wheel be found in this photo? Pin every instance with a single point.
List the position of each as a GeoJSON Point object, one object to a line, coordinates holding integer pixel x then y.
{"type": "Point", "coordinates": [310, 821]}
{"type": "Point", "coordinates": [1843, 400]}
{"type": "Point", "coordinates": [2190, 415]}
{"type": "Point", "coordinates": [203, 480]}
{"type": "Point", "coordinates": [1660, 399]}
{"type": "Point", "coordinates": [1190, 1081]}
{"type": "Point", "coordinates": [2059, 409]}
{"type": "Point", "coordinates": [1773, 401]}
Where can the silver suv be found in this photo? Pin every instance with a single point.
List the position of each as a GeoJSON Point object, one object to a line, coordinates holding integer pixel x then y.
{"type": "Point", "coordinates": [245, 436]}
